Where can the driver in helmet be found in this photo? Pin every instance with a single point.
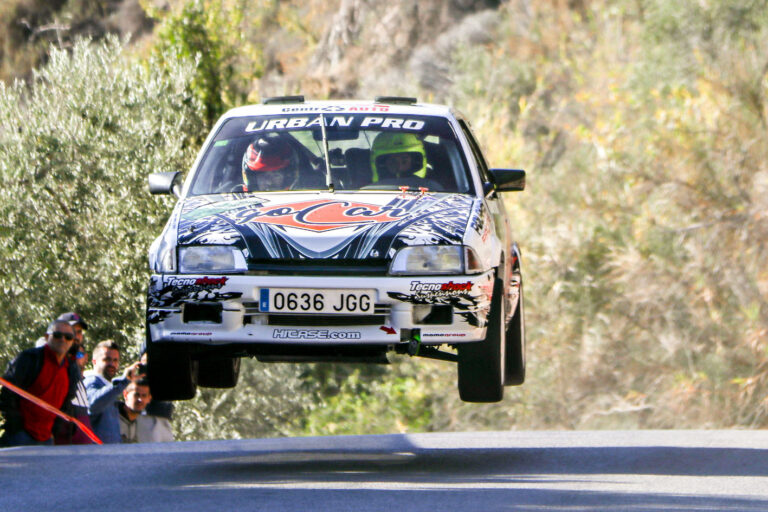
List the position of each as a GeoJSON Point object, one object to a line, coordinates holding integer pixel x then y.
{"type": "Point", "coordinates": [398, 155]}
{"type": "Point", "coordinates": [270, 164]}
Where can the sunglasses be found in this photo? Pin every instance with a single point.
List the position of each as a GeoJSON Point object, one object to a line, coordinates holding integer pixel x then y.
{"type": "Point", "coordinates": [66, 335]}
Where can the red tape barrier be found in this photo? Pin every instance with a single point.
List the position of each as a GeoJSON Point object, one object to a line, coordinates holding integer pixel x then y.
{"type": "Point", "coordinates": [48, 407]}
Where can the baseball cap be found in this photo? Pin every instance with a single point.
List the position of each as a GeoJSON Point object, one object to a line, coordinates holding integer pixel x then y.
{"type": "Point", "coordinates": [72, 319]}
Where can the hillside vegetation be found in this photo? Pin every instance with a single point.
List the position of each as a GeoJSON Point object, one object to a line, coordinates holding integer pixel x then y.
{"type": "Point", "coordinates": [642, 125]}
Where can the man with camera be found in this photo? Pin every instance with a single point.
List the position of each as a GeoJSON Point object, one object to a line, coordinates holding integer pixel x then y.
{"type": "Point", "coordinates": [103, 389]}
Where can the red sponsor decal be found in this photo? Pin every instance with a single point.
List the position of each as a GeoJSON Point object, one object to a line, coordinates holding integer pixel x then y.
{"type": "Point", "coordinates": [374, 108]}
{"type": "Point", "coordinates": [322, 214]}
{"type": "Point", "coordinates": [208, 281]}
{"type": "Point", "coordinates": [203, 282]}
{"type": "Point", "coordinates": [451, 286]}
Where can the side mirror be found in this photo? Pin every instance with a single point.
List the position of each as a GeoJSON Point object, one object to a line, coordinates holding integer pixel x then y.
{"type": "Point", "coordinates": [165, 183]}
{"type": "Point", "coordinates": [508, 180]}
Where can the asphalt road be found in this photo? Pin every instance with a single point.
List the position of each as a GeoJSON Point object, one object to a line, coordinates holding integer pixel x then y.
{"type": "Point", "coordinates": [523, 471]}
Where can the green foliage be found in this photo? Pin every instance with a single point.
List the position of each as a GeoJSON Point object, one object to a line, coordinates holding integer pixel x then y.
{"type": "Point", "coordinates": [209, 32]}
{"type": "Point", "coordinates": [75, 149]}
{"type": "Point", "coordinates": [351, 399]}
{"type": "Point", "coordinates": [642, 123]}
{"type": "Point", "coordinates": [270, 400]}
{"type": "Point", "coordinates": [642, 230]}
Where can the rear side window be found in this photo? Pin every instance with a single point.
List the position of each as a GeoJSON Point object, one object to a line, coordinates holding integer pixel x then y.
{"type": "Point", "coordinates": [476, 153]}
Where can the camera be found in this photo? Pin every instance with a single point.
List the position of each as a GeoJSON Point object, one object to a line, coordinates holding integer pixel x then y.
{"type": "Point", "coordinates": [141, 369]}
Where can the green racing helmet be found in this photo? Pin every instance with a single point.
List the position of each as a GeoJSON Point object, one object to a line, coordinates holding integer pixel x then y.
{"type": "Point", "coordinates": [388, 143]}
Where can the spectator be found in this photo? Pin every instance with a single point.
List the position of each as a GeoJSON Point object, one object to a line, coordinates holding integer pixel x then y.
{"type": "Point", "coordinates": [103, 390]}
{"type": "Point", "coordinates": [135, 425]}
{"type": "Point", "coordinates": [136, 397]}
{"type": "Point", "coordinates": [80, 401]}
{"type": "Point", "coordinates": [47, 373]}
{"type": "Point", "coordinates": [79, 325]}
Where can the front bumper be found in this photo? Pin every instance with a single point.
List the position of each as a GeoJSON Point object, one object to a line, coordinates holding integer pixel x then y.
{"type": "Point", "coordinates": [224, 309]}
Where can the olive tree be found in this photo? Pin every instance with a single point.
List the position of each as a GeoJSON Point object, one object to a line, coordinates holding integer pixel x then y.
{"type": "Point", "coordinates": [76, 145]}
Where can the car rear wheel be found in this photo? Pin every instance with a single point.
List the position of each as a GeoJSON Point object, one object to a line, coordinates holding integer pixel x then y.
{"type": "Point", "coordinates": [171, 371]}
{"type": "Point", "coordinates": [481, 364]}
{"type": "Point", "coordinates": [218, 372]}
{"type": "Point", "coordinates": [515, 364]}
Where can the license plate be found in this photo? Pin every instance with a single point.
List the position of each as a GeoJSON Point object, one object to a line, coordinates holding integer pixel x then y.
{"type": "Point", "coordinates": [297, 300]}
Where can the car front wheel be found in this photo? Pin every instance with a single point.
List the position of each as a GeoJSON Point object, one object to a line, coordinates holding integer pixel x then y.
{"type": "Point", "coordinates": [171, 371]}
{"type": "Point", "coordinates": [481, 364]}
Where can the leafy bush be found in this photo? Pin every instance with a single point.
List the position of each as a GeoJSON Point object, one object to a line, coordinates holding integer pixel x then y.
{"type": "Point", "coordinates": [76, 146]}
{"type": "Point", "coordinates": [642, 230]}
{"type": "Point", "coordinates": [209, 33]}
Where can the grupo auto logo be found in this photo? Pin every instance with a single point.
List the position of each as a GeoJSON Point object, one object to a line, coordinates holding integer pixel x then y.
{"type": "Point", "coordinates": [322, 214]}
{"type": "Point", "coordinates": [314, 334]}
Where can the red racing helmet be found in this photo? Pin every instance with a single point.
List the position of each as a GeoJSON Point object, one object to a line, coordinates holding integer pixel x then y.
{"type": "Point", "coordinates": [266, 155]}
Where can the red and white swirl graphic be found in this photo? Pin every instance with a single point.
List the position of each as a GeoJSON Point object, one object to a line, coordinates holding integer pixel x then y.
{"type": "Point", "coordinates": [322, 214]}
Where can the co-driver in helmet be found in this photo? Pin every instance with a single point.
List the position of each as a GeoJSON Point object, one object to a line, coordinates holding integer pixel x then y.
{"type": "Point", "coordinates": [270, 163]}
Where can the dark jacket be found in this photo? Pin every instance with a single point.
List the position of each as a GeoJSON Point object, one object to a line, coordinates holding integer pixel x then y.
{"type": "Point", "coordinates": [23, 371]}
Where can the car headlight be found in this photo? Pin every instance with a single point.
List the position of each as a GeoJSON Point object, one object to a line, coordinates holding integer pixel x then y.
{"type": "Point", "coordinates": [204, 259]}
{"type": "Point", "coordinates": [428, 259]}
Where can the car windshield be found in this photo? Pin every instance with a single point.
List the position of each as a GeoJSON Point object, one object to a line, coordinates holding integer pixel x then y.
{"type": "Point", "coordinates": [333, 151]}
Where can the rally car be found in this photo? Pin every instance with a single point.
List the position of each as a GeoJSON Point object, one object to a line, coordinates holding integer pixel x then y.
{"type": "Point", "coordinates": [336, 231]}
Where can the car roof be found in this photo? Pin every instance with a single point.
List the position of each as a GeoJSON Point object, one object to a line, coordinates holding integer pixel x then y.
{"type": "Point", "coordinates": [346, 106]}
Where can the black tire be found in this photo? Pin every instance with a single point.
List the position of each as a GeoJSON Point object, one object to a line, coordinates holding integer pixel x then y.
{"type": "Point", "coordinates": [481, 364]}
{"type": "Point", "coordinates": [514, 374]}
{"type": "Point", "coordinates": [218, 372]}
{"type": "Point", "coordinates": [171, 371]}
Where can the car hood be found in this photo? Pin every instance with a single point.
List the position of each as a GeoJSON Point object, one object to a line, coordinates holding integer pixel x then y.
{"type": "Point", "coordinates": [324, 226]}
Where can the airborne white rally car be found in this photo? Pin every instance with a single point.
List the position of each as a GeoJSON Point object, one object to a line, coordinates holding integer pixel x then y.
{"type": "Point", "coordinates": [336, 231]}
